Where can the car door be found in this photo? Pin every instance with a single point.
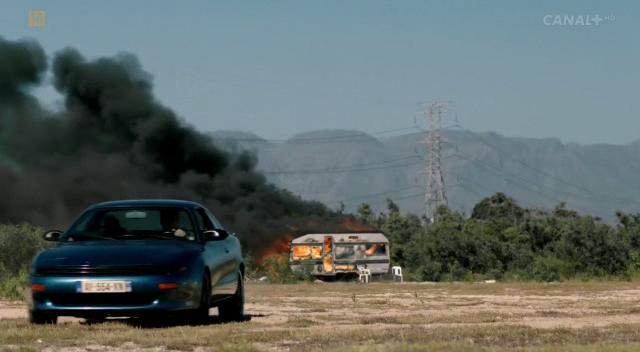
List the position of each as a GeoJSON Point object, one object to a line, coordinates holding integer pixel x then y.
{"type": "Point", "coordinates": [217, 256]}
{"type": "Point", "coordinates": [233, 258]}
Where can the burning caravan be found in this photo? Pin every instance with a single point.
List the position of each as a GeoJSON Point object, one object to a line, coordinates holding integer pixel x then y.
{"type": "Point", "coordinates": [340, 253]}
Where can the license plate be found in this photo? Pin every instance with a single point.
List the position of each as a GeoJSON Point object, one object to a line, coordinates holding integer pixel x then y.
{"type": "Point", "coordinates": [104, 286]}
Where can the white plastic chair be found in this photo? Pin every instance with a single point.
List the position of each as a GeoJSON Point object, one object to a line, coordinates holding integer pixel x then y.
{"type": "Point", "coordinates": [396, 271]}
{"type": "Point", "coordinates": [364, 274]}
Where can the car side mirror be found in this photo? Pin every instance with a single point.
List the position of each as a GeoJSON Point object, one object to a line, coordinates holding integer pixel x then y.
{"type": "Point", "coordinates": [52, 236]}
{"type": "Point", "coordinates": [215, 235]}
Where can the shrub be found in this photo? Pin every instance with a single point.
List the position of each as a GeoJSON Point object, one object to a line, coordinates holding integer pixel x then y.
{"type": "Point", "coordinates": [548, 268]}
{"type": "Point", "coordinates": [276, 269]}
{"type": "Point", "coordinates": [13, 287]}
{"type": "Point", "coordinates": [502, 240]}
{"type": "Point", "coordinates": [18, 245]}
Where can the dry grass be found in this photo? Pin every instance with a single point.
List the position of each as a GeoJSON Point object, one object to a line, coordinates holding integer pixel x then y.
{"type": "Point", "coordinates": [439, 347]}
{"type": "Point", "coordinates": [574, 316]}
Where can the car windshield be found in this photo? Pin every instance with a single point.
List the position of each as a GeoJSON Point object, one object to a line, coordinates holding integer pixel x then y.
{"type": "Point", "coordinates": [133, 223]}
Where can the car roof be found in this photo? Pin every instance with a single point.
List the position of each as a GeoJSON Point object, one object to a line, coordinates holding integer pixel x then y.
{"type": "Point", "coordinates": [147, 203]}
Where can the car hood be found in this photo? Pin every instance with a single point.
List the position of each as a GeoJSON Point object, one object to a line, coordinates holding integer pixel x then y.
{"type": "Point", "coordinates": [117, 253]}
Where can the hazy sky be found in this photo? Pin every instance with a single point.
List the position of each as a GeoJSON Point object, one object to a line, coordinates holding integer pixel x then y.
{"type": "Point", "coordinates": [281, 67]}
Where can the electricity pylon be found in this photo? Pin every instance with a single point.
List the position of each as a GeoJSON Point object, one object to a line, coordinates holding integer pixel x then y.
{"type": "Point", "coordinates": [435, 192]}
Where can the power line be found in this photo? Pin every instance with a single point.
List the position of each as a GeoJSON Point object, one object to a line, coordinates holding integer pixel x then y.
{"type": "Point", "coordinates": [499, 171]}
{"type": "Point", "coordinates": [376, 165]}
{"type": "Point", "coordinates": [488, 191]}
{"type": "Point", "coordinates": [534, 187]}
{"type": "Point", "coordinates": [373, 195]}
{"type": "Point", "coordinates": [591, 195]}
{"type": "Point", "coordinates": [354, 137]}
{"type": "Point", "coordinates": [329, 139]}
{"type": "Point", "coordinates": [353, 167]}
{"type": "Point", "coordinates": [519, 181]}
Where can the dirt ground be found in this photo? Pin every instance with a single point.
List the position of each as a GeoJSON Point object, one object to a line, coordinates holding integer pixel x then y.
{"type": "Point", "coordinates": [383, 316]}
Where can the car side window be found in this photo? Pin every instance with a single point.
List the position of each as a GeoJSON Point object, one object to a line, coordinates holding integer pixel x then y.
{"type": "Point", "coordinates": [204, 224]}
{"type": "Point", "coordinates": [216, 223]}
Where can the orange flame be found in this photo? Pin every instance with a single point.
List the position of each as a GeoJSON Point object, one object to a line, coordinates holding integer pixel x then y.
{"type": "Point", "coordinates": [277, 247]}
{"type": "Point", "coordinates": [282, 244]}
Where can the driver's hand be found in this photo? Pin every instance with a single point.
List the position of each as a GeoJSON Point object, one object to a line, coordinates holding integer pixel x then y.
{"type": "Point", "coordinates": [179, 233]}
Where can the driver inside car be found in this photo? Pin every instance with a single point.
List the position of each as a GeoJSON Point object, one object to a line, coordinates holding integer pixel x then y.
{"type": "Point", "coordinates": [111, 226]}
{"type": "Point", "coordinates": [171, 223]}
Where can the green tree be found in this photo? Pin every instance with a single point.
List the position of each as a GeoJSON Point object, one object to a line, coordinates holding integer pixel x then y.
{"type": "Point", "coordinates": [497, 207]}
{"type": "Point", "coordinates": [365, 214]}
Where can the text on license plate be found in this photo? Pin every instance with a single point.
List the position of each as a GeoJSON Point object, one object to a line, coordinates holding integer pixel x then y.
{"type": "Point", "coordinates": [104, 286]}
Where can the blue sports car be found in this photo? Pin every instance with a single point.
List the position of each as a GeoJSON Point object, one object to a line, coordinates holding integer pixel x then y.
{"type": "Point", "coordinates": [139, 258]}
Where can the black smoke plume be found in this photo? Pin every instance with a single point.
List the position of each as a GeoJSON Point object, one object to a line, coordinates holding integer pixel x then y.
{"type": "Point", "coordinates": [114, 140]}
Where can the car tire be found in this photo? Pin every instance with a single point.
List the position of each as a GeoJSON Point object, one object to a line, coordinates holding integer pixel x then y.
{"type": "Point", "coordinates": [232, 309]}
{"type": "Point", "coordinates": [201, 313]}
{"type": "Point", "coordinates": [39, 318]}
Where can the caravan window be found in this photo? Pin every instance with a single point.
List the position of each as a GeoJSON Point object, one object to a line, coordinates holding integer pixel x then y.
{"type": "Point", "coordinates": [306, 252]}
{"type": "Point", "coordinates": [360, 251]}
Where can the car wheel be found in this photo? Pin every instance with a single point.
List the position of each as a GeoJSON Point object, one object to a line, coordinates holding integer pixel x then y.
{"type": "Point", "coordinates": [202, 312]}
{"type": "Point", "coordinates": [232, 309]}
{"type": "Point", "coordinates": [39, 318]}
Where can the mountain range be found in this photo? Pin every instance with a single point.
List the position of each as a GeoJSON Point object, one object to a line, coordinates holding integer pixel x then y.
{"type": "Point", "coordinates": [352, 167]}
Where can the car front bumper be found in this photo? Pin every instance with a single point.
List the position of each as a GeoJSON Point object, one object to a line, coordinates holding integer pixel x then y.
{"type": "Point", "coordinates": [61, 296]}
